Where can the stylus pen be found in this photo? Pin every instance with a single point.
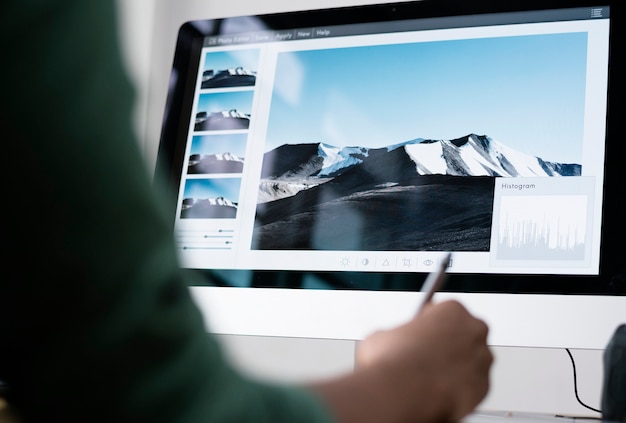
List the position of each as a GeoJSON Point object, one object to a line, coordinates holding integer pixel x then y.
{"type": "Point", "coordinates": [434, 281]}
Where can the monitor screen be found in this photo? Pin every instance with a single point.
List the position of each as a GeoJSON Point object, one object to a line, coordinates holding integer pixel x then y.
{"type": "Point", "coordinates": [327, 160]}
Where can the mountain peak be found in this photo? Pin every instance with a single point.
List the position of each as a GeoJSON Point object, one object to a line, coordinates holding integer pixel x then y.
{"type": "Point", "coordinates": [337, 159]}
{"type": "Point", "coordinates": [482, 141]}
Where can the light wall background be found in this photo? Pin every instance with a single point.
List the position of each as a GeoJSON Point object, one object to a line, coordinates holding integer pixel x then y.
{"type": "Point", "coordinates": [523, 380]}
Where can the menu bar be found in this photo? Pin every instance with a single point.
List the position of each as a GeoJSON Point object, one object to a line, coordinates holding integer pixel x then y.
{"type": "Point", "coordinates": [492, 19]}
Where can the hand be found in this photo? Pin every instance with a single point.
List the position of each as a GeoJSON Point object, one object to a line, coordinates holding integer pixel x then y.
{"type": "Point", "coordinates": [437, 365]}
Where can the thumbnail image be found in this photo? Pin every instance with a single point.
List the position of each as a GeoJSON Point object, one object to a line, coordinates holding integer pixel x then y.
{"type": "Point", "coordinates": [224, 111]}
{"type": "Point", "coordinates": [397, 147]}
{"type": "Point", "coordinates": [217, 154]}
{"type": "Point", "coordinates": [213, 198]}
{"type": "Point", "coordinates": [227, 69]}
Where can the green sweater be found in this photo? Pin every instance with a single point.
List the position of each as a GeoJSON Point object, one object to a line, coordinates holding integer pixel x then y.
{"type": "Point", "coordinates": [96, 322]}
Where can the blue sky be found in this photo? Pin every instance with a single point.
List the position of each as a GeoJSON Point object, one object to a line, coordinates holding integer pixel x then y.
{"type": "Point", "coordinates": [248, 59]}
{"type": "Point", "coordinates": [527, 92]}
{"type": "Point", "coordinates": [213, 144]}
{"type": "Point", "coordinates": [213, 187]}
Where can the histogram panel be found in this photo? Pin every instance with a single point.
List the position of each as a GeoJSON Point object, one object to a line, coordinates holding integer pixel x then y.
{"type": "Point", "coordinates": [542, 227]}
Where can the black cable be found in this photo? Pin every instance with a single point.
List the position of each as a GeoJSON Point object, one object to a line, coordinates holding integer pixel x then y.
{"type": "Point", "coordinates": [571, 357]}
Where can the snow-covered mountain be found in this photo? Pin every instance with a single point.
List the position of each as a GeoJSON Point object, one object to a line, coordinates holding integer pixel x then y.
{"type": "Point", "coordinates": [215, 163]}
{"type": "Point", "coordinates": [480, 155]}
{"type": "Point", "coordinates": [291, 168]}
{"type": "Point", "coordinates": [270, 190]}
{"type": "Point", "coordinates": [209, 201]}
{"type": "Point", "coordinates": [217, 157]}
{"type": "Point", "coordinates": [210, 207]}
{"type": "Point", "coordinates": [335, 159]}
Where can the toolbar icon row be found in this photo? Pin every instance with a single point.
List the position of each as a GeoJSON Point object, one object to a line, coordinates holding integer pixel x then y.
{"type": "Point", "coordinates": [387, 262]}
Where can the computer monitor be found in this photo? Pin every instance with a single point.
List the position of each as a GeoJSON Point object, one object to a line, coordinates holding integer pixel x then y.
{"type": "Point", "coordinates": [323, 161]}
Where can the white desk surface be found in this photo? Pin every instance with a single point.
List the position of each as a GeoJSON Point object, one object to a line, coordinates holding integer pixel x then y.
{"type": "Point", "coordinates": [517, 417]}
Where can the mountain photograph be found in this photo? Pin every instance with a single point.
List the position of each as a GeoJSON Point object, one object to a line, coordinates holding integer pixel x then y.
{"type": "Point", "coordinates": [208, 208]}
{"type": "Point", "coordinates": [223, 111]}
{"type": "Point", "coordinates": [213, 154]}
{"type": "Point", "coordinates": [227, 69]}
{"type": "Point", "coordinates": [214, 163]}
{"type": "Point", "coordinates": [343, 169]}
{"type": "Point", "coordinates": [224, 78]}
{"type": "Point", "coordinates": [418, 195]}
{"type": "Point", "coordinates": [210, 198]}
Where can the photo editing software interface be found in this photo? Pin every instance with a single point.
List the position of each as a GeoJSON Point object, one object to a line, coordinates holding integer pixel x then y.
{"type": "Point", "coordinates": [380, 146]}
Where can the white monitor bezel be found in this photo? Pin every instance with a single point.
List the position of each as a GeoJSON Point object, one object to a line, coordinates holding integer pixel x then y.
{"type": "Point", "coordinates": [522, 320]}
